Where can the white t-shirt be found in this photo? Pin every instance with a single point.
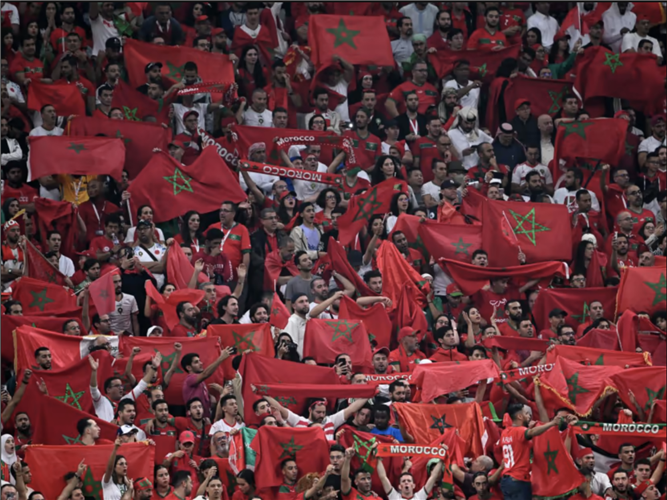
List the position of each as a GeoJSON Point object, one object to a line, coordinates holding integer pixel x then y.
{"type": "Point", "coordinates": [254, 119]}
{"type": "Point", "coordinates": [102, 31]}
{"type": "Point", "coordinates": [431, 189]}
{"type": "Point", "coordinates": [180, 110]}
{"type": "Point", "coordinates": [41, 131]}
{"type": "Point", "coordinates": [395, 495]}
{"type": "Point", "coordinates": [110, 490]}
{"type": "Point", "coordinates": [121, 318]}
{"type": "Point", "coordinates": [328, 314]}
{"type": "Point", "coordinates": [306, 189]}
{"type": "Point", "coordinates": [158, 250]}
{"type": "Point", "coordinates": [631, 41]}
{"type": "Point", "coordinates": [66, 266]}
{"type": "Point", "coordinates": [470, 99]}
{"type": "Point", "coordinates": [342, 108]}
{"type": "Point", "coordinates": [221, 425]}
{"type": "Point", "coordinates": [569, 198]}
{"type": "Point", "coordinates": [649, 145]}
{"type": "Point", "coordinates": [520, 172]}
{"type": "Point", "coordinates": [14, 12]}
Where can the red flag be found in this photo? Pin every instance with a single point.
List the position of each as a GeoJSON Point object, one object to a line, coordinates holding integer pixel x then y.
{"type": "Point", "coordinates": [279, 313]}
{"type": "Point", "coordinates": [341, 265]}
{"type": "Point", "coordinates": [52, 155]}
{"type": "Point", "coordinates": [273, 266]}
{"type": "Point", "coordinates": [325, 339]}
{"type": "Point", "coordinates": [308, 447]}
{"type": "Point", "coordinates": [375, 319]}
{"type": "Point", "coordinates": [139, 107]}
{"type": "Point", "coordinates": [358, 40]}
{"type": "Point", "coordinates": [255, 337]}
{"type": "Point", "coordinates": [103, 293]}
{"type": "Point", "coordinates": [449, 241]}
{"type": "Point", "coordinates": [642, 289]}
{"type": "Point", "coordinates": [168, 307]}
{"type": "Point", "coordinates": [408, 312]}
{"type": "Point", "coordinates": [39, 297]}
{"type": "Point", "coordinates": [168, 186]}
{"type": "Point", "coordinates": [266, 40]}
{"type": "Point", "coordinates": [396, 273]}
{"type": "Point", "coordinates": [574, 301]}
{"type": "Point", "coordinates": [65, 98]}
{"type": "Point", "coordinates": [180, 270]}
{"type": "Point", "coordinates": [628, 329]}
{"type": "Point", "coordinates": [362, 207]}
{"type": "Point", "coordinates": [139, 138]}
{"type": "Point", "coordinates": [439, 379]}
{"type": "Point", "coordinates": [427, 422]}
{"type": "Point", "coordinates": [59, 216]}
{"type": "Point", "coordinates": [600, 139]}
{"type": "Point", "coordinates": [40, 268]}
{"type": "Point", "coordinates": [595, 356]}
{"type": "Point", "coordinates": [553, 473]}
{"type": "Point", "coordinates": [63, 459]}
{"type": "Point", "coordinates": [647, 384]}
{"type": "Point", "coordinates": [256, 369]}
{"type": "Point", "coordinates": [409, 225]}
{"type": "Point", "coordinates": [654, 11]}
{"type": "Point", "coordinates": [483, 64]}
{"type": "Point", "coordinates": [333, 392]}
{"type": "Point", "coordinates": [545, 96]}
{"type": "Point", "coordinates": [11, 323]}
{"type": "Point", "coordinates": [473, 278]}
{"type": "Point", "coordinates": [540, 230]}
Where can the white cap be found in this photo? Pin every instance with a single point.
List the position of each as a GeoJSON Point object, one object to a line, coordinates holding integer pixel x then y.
{"type": "Point", "coordinates": [155, 331]}
{"type": "Point", "coordinates": [128, 429]}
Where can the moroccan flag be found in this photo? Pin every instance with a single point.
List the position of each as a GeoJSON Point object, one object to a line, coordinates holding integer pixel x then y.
{"type": "Point", "coordinates": [409, 226]}
{"type": "Point", "coordinates": [375, 319]}
{"type": "Point", "coordinates": [59, 216]}
{"type": "Point", "coordinates": [103, 293]}
{"type": "Point", "coordinates": [408, 312]}
{"type": "Point", "coordinates": [358, 40]}
{"type": "Point", "coordinates": [574, 301]}
{"type": "Point", "coordinates": [331, 392]}
{"type": "Point", "coordinates": [40, 297]}
{"type": "Point", "coordinates": [325, 339]}
{"type": "Point", "coordinates": [545, 96]}
{"type": "Point", "coordinates": [654, 11]}
{"type": "Point", "coordinates": [169, 186]}
{"type": "Point", "coordinates": [600, 139]}
{"type": "Point", "coordinates": [647, 384]}
{"type": "Point", "coordinates": [341, 265]}
{"type": "Point", "coordinates": [396, 273]}
{"type": "Point", "coordinates": [139, 138]}
{"type": "Point", "coordinates": [256, 369]}
{"type": "Point", "coordinates": [65, 98]}
{"type": "Point", "coordinates": [438, 379]}
{"type": "Point", "coordinates": [63, 459]}
{"type": "Point", "coordinates": [483, 63]}
{"type": "Point", "coordinates": [594, 356]}
{"type": "Point", "coordinates": [472, 204]}
{"type": "Point", "coordinates": [273, 267]}
{"type": "Point", "coordinates": [168, 307]}
{"type": "Point", "coordinates": [473, 278]}
{"type": "Point", "coordinates": [656, 346]}
{"type": "Point", "coordinates": [207, 348]}
{"type": "Point", "coordinates": [308, 447]}
{"type": "Point", "coordinates": [212, 68]}
{"type": "Point", "coordinates": [427, 422]}
{"type": "Point", "coordinates": [139, 107]}
{"type": "Point", "coordinates": [642, 289]}
{"type": "Point", "coordinates": [53, 155]}
{"type": "Point", "coordinates": [554, 473]}
{"type": "Point", "coordinates": [450, 241]}
{"type": "Point", "coordinates": [363, 442]}
{"type": "Point", "coordinates": [601, 73]}
{"type": "Point", "coordinates": [376, 200]}
{"type": "Point", "coordinates": [40, 268]}
{"type": "Point", "coordinates": [253, 337]}
{"type": "Point", "coordinates": [575, 386]}
{"type": "Point", "coordinates": [241, 455]}
{"type": "Point", "coordinates": [540, 229]}
{"type": "Point", "coordinates": [180, 269]}
{"type": "Point", "coordinates": [279, 314]}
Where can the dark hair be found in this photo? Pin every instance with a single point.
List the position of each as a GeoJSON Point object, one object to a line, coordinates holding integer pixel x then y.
{"type": "Point", "coordinates": [553, 53]}
{"type": "Point", "coordinates": [158, 402]}
{"type": "Point", "coordinates": [187, 360]}
{"type": "Point", "coordinates": [89, 263]}
{"type": "Point", "coordinates": [223, 304]}
{"type": "Point", "coordinates": [180, 308]}
{"type": "Point", "coordinates": [185, 229]}
{"type": "Point", "coordinates": [248, 476]}
{"type": "Point", "coordinates": [578, 174]}
{"type": "Point", "coordinates": [191, 401]}
{"type": "Point", "coordinates": [337, 447]}
{"type": "Point", "coordinates": [255, 307]}
{"type": "Point", "coordinates": [298, 255]}
{"type": "Point", "coordinates": [180, 477]}
{"type": "Point", "coordinates": [375, 273]}
{"type": "Point", "coordinates": [83, 424]}
{"type": "Point", "coordinates": [40, 350]}
{"type": "Point", "coordinates": [322, 197]}
{"type": "Point", "coordinates": [399, 23]}
{"type": "Point", "coordinates": [453, 32]}
{"type": "Point", "coordinates": [492, 9]}
{"type": "Point", "coordinates": [393, 206]}
{"type": "Point", "coordinates": [312, 120]}
{"type": "Point", "coordinates": [514, 409]}
{"type": "Point", "coordinates": [377, 176]}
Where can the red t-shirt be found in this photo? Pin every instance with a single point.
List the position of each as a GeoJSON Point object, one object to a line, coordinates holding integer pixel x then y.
{"type": "Point", "coordinates": [367, 150]}
{"type": "Point", "coordinates": [484, 300]}
{"type": "Point", "coordinates": [401, 362]}
{"type": "Point", "coordinates": [34, 70]}
{"type": "Point", "coordinates": [481, 39]}
{"type": "Point", "coordinates": [441, 354]}
{"type": "Point", "coordinates": [516, 453]}
{"type": "Point", "coordinates": [192, 149]}
{"type": "Point", "coordinates": [181, 331]}
{"type": "Point", "coordinates": [59, 35]}
{"type": "Point", "coordinates": [348, 191]}
{"type": "Point", "coordinates": [185, 424]}
{"type": "Point", "coordinates": [428, 95]}
{"type": "Point", "coordinates": [218, 269]}
{"type": "Point", "coordinates": [355, 495]}
{"type": "Point", "coordinates": [95, 224]}
{"type": "Point", "coordinates": [25, 194]}
{"type": "Point", "coordinates": [460, 23]}
{"type": "Point", "coordinates": [101, 244]}
{"type": "Point", "coordinates": [509, 18]}
{"type": "Point", "coordinates": [426, 150]}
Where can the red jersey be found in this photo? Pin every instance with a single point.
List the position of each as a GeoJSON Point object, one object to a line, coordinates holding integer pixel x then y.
{"type": "Point", "coordinates": [25, 194]}
{"type": "Point", "coordinates": [441, 354]}
{"type": "Point", "coordinates": [507, 330]}
{"type": "Point", "coordinates": [638, 219]}
{"type": "Point", "coordinates": [509, 18]}
{"type": "Point", "coordinates": [428, 95]}
{"type": "Point", "coordinates": [400, 361]}
{"type": "Point", "coordinates": [460, 23]}
{"type": "Point", "coordinates": [182, 331]}
{"type": "Point", "coordinates": [481, 39]}
{"type": "Point", "coordinates": [218, 269]}
{"type": "Point", "coordinates": [192, 149]}
{"type": "Point", "coordinates": [157, 496]}
{"type": "Point", "coordinates": [367, 150]}
{"type": "Point", "coordinates": [614, 201]}
{"type": "Point", "coordinates": [59, 35]}
{"type": "Point", "coordinates": [354, 494]}
{"type": "Point", "coordinates": [202, 446]}
{"type": "Point", "coordinates": [634, 243]}
{"type": "Point", "coordinates": [33, 70]}
{"type": "Point", "coordinates": [167, 430]}
{"type": "Point", "coordinates": [323, 221]}
{"type": "Point", "coordinates": [426, 149]}
{"type": "Point", "coordinates": [348, 190]}
{"type": "Point", "coordinates": [101, 244]}
{"type": "Point", "coordinates": [484, 300]}
{"type": "Point", "coordinates": [516, 453]}
{"type": "Point", "coordinates": [235, 243]}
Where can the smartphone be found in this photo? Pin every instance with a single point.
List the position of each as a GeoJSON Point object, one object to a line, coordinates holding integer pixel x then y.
{"type": "Point", "coordinates": [233, 350]}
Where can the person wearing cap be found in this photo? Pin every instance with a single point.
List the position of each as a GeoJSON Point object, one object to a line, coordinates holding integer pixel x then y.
{"type": "Point", "coordinates": [407, 355]}
{"type": "Point", "coordinates": [143, 489]}
{"type": "Point", "coordinates": [631, 40]}
{"type": "Point", "coordinates": [184, 459]}
{"type": "Point", "coordinates": [509, 151]}
{"type": "Point", "coordinates": [654, 141]}
{"type": "Point", "coordinates": [13, 252]}
{"type": "Point", "coordinates": [187, 104]}
{"type": "Point", "coordinates": [190, 137]}
{"type": "Point", "coordinates": [489, 37]}
{"type": "Point", "coordinates": [599, 482]}
{"type": "Point", "coordinates": [453, 305]}
{"type": "Point", "coordinates": [556, 319]}
{"type": "Point", "coordinates": [153, 72]}
{"type": "Point", "coordinates": [380, 361]}
{"type": "Point", "coordinates": [487, 169]}
{"type": "Point", "coordinates": [647, 490]}
{"type": "Point", "coordinates": [525, 123]}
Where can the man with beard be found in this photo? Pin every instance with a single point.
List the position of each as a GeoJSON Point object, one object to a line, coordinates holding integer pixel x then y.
{"type": "Point", "coordinates": [489, 37]}
{"type": "Point", "coordinates": [219, 445]}
{"type": "Point", "coordinates": [290, 472]}
{"type": "Point", "coordinates": [621, 489]}
{"type": "Point", "coordinates": [412, 256]}
{"type": "Point", "coordinates": [187, 320]}
{"type": "Point", "coordinates": [618, 20]}
{"type": "Point", "coordinates": [480, 482]}
{"type": "Point", "coordinates": [15, 187]}
{"type": "Point", "coordinates": [600, 483]}
{"type": "Point", "coordinates": [324, 305]}
{"type": "Point", "coordinates": [412, 123]}
{"type": "Point", "coordinates": [296, 325]}
{"type": "Point", "coordinates": [127, 414]}
{"type": "Point", "coordinates": [23, 433]}
{"type": "Point", "coordinates": [447, 346]}
{"type": "Point", "coordinates": [567, 195]}
{"type": "Point", "coordinates": [427, 94]}
{"type": "Point", "coordinates": [361, 477]}
{"type": "Point", "coordinates": [595, 312]}
{"type": "Point", "coordinates": [621, 255]}
{"type": "Point", "coordinates": [443, 23]}
{"type": "Point", "coordinates": [402, 48]}
{"type": "Point", "coordinates": [534, 189]}
{"type": "Point", "coordinates": [532, 163]}
{"type": "Point", "coordinates": [153, 72]}
{"type": "Point", "coordinates": [367, 146]}
{"type": "Point", "coordinates": [259, 313]}
{"type": "Point", "coordinates": [425, 149]}
{"type": "Point", "coordinates": [466, 136]}
{"type": "Point", "coordinates": [163, 423]}
{"type": "Point", "coordinates": [406, 483]}
{"type": "Point", "coordinates": [217, 265]}
{"type": "Point", "coordinates": [195, 423]}
{"type": "Point", "coordinates": [513, 313]}
{"type": "Point", "coordinates": [467, 91]}
{"type": "Point", "coordinates": [13, 256]}
{"type": "Point", "coordinates": [640, 215]}
{"type": "Point", "coordinates": [194, 385]}
{"type": "Point", "coordinates": [125, 316]}
{"type": "Point", "coordinates": [486, 169]}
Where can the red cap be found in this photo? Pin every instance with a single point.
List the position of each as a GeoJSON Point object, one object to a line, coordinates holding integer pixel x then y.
{"type": "Point", "coordinates": [657, 118]}
{"type": "Point", "coordinates": [189, 113]}
{"type": "Point", "coordinates": [217, 31]}
{"type": "Point", "coordinates": [286, 193]}
{"type": "Point", "coordinates": [521, 102]}
{"type": "Point", "coordinates": [142, 484]}
{"type": "Point", "coordinates": [643, 16]}
{"type": "Point", "coordinates": [453, 290]}
{"type": "Point", "coordinates": [187, 437]}
{"type": "Point", "coordinates": [381, 350]}
{"type": "Point", "coordinates": [643, 486]}
{"type": "Point", "coordinates": [622, 114]}
{"type": "Point", "coordinates": [406, 331]}
{"type": "Point", "coordinates": [177, 143]}
{"type": "Point", "coordinates": [583, 452]}
{"type": "Point", "coordinates": [87, 253]}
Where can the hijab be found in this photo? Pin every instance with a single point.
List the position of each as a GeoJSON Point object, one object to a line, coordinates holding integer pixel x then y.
{"type": "Point", "coordinates": [8, 458]}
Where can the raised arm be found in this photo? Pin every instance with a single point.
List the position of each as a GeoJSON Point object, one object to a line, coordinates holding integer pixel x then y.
{"type": "Point", "coordinates": [209, 370]}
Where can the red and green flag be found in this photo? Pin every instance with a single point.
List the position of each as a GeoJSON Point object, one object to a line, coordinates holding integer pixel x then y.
{"type": "Point", "coordinates": [600, 139]}
{"type": "Point", "coordinates": [642, 289]}
{"type": "Point", "coordinates": [341, 265]}
{"type": "Point", "coordinates": [409, 225]}
{"type": "Point", "coordinates": [41, 269]}
{"type": "Point", "coordinates": [168, 306]}
{"type": "Point", "coordinates": [241, 455]}
{"type": "Point", "coordinates": [397, 273]}
{"type": "Point", "coordinates": [103, 293]}
{"type": "Point", "coordinates": [168, 186]}
{"type": "Point", "coordinates": [254, 337]}
{"type": "Point", "coordinates": [139, 107]}
{"type": "Point", "coordinates": [438, 379]}
{"type": "Point", "coordinates": [363, 443]}
{"type": "Point", "coordinates": [375, 319]}
{"type": "Point", "coordinates": [279, 313]}
{"type": "Point", "coordinates": [325, 339]}
{"type": "Point", "coordinates": [408, 312]}
{"type": "Point", "coordinates": [554, 473]}
{"type": "Point", "coordinates": [540, 230]}
{"type": "Point", "coordinates": [41, 297]}
{"type": "Point", "coordinates": [59, 216]}
{"type": "Point", "coordinates": [598, 357]}
{"type": "Point", "coordinates": [180, 270]}
{"type": "Point", "coordinates": [65, 98]}
{"type": "Point", "coordinates": [63, 459]}
{"type": "Point", "coordinates": [647, 384]}
{"type": "Point", "coordinates": [450, 241]}
{"type": "Point", "coordinates": [574, 301]}
{"type": "Point", "coordinates": [545, 95]}
{"type": "Point", "coordinates": [483, 63]}
{"type": "Point", "coordinates": [139, 138]}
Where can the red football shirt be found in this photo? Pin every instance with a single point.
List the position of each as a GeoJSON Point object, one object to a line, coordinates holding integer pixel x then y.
{"type": "Point", "coordinates": [481, 39]}
{"type": "Point", "coordinates": [428, 95]}
{"type": "Point", "coordinates": [367, 150]}
{"type": "Point", "coordinates": [516, 453]}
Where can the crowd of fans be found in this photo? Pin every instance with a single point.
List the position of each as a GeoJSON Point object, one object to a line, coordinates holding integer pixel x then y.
{"type": "Point", "coordinates": [404, 122]}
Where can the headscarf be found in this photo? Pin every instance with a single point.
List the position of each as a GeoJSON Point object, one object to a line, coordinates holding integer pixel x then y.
{"type": "Point", "coordinates": [442, 112]}
{"type": "Point", "coordinates": [8, 458]}
{"type": "Point", "coordinates": [469, 113]}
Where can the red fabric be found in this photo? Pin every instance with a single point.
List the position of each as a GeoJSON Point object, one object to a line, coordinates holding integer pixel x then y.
{"type": "Point", "coordinates": [168, 307]}
{"type": "Point", "coordinates": [599, 139]}
{"type": "Point", "coordinates": [66, 350]}
{"type": "Point", "coordinates": [40, 297]}
{"type": "Point", "coordinates": [253, 337]}
{"type": "Point", "coordinates": [450, 241]}
{"type": "Point", "coordinates": [483, 64]}
{"type": "Point", "coordinates": [545, 96]}
{"type": "Point", "coordinates": [375, 319]}
{"type": "Point", "coordinates": [442, 378]}
{"type": "Point", "coordinates": [279, 315]}
{"type": "Point", "coordinates": [66, 99]}
{"type": "Point", "coordinates": [594, 356]}
{"type": "Point", "coordinates": [397, 273]}
{"type": "Point", "coordinates": [137, 106]}
{"type": "Point", "coordinates": [642, 289]}
{"type": "Point", "coordinates": [202, 184]}
{"type": "Point", "coordinates": [325, 339]}
{"type": "Point", "coordinates": [40, 268]}
{"type": "Point", "coordinates": [539, 228]}
{"type": "Point", "coordinates": [574, 301]}
{"type": "Point", "coordinates": [64, 459]}
{"type": "Point", "coordinates": [341, 265]}
{"type": "Point", "coordinates": [553, 470]}
{"type": "Point", "coordinates": [139, 138]}
{"type": "Point", "coordinates": [647, 384]}
{"type": "Point", "coordinates": [59, 216]}
{"type": "Point", "coordinates": [358, 40]}
{"type": "Point", "coordinates": [331, 392]}
{"type": "Point", "coordinates": [265, 41]}
{"type": "Point", "coordinates": [408, 312]}
{"type": "Point", "coordinates": [273, 267]}
{"type": "Point", "coordinates": [103, 294]}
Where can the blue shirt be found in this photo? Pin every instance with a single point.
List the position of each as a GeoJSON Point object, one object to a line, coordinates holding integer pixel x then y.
{"type": "Point", "coordinates": [389, 431]}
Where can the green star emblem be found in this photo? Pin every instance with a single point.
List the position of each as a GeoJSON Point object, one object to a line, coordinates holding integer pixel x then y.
{"type": "Point", "coordinates": [179, 181]}
{"type": "Point", "coordinates": [343, 35]}
{"type": "Point", "coordinates": [600, 361]}
{"type": "Point", "coordinates": [342, 328]}
{"type": "Point", "coordinates": [71, 398]}
{"type": "Point", "coordinates": [39, 300]}
{"type": "Point", "coordinates": [550, 457]}
{"type": "Point", "coordinates": [77, 148]}
{"type": "Point", "coordinates": [659, 289]}
{"type": "Point", "coordinates": [289, 449]}
{"type": "Point", "coordinates": [175, 72]}
{"type": "Point", "coordinates": [629, 149]}
{"type": "Point", "coordinates": [371, 337]}
{"type": "Point", "coordinates": [365, 212]}
{"type": "Point", "coordinates": [557, 99]}
{"type": "Point", "coordinates": [120, 136]}
{"type": "Point", "coordinates": [247, 340]}
{"type": "Point", "coordinates": [535, 227]}
{"type": "Point", "coordinates": [262, 389]}
{"type": "Point", "coordinates": [167, 361]}
{"type": "Point", "coordinates": [131, 114]}
{"type": "Point", "coordinates": [613, 61]}
{"type": "Point", "coordinates": [461, 247]}
{"type": "Point", "coordinates": [286, 402]}
{"type": "Point", "coordinates": [578, 128]}
{"type": "Point", "coordinates": [360, 444]}
{"type": "Point", "coordinates": [581, 318]}
{"type": "Point", "coordinates": [652, 396]}
{"type": "Point", "coordinates": [439, 423]}
{"type": "Point", "coordinates": [573, 388]}
{"type": "Point", "coordinates": [482, 70]}
{"type": "Point", "coordinates": [70, 440]}
{"type": "Point", "coordinates": [91, 487]}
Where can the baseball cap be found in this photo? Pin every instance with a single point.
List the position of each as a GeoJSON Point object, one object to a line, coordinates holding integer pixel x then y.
{"type": "Point", "coordinates": [557, 312]}
{"type": "Point", "coordinates": [381, 350]}
{"type": "Point", "coordinates": [285, 194]}
{"type": "Point", "coordinates": [201, 19]}
{"type": "Point", "coordinates": [643, 486]}
{"type": "Point", "coordinates": [520, 102]}
{"type": "Point", "coordinates": [448, 184]}
{"type": "Point", "coordinates": [142, 484]}
{"type": "Point", "coordinates": [455, 166]}
{"type": "Point", "coordinates": [87, 253]}
{"type": "Point", "coordinates": [406, 331]}
{"type": "Point", "coordinates": [113, 43]}
{"type": "Point", "coordinates": [391, 123]}
{"type": "Point", "coordinates": [152, 65]}
{"type": "Point", "coordinates": [217, 31]}
{"type": "Point", "coordinates": [190, 113]}
{"type": "Point", "coordinates": [155, 331]}
{"type": "Point", "coordinates": [657, 118]}
{"type": "Point", "coordinates": [126, 430]}
{"type": "Point", "coordinates": [143, 223]}
{"type": "Point", "coordinates": [177, 143]}
{"type": "Point", "coordinates": [186, 437]}
{"type": "Point", "coordinates": [453, 290]}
